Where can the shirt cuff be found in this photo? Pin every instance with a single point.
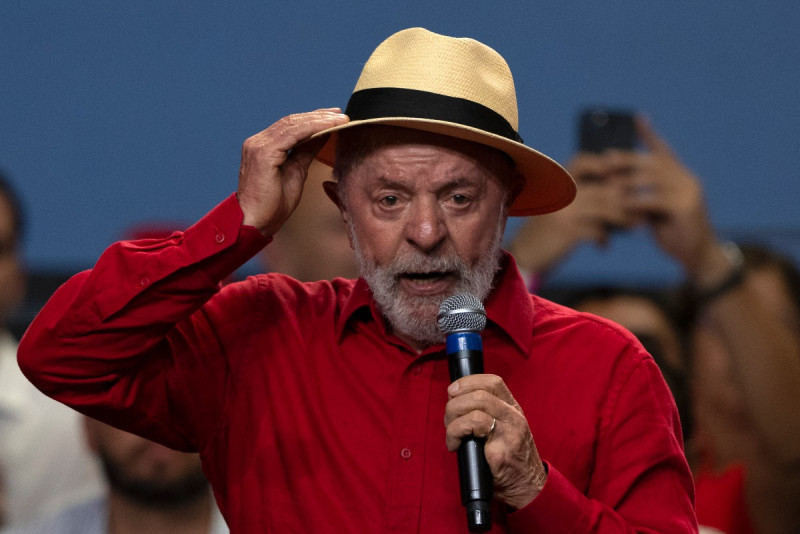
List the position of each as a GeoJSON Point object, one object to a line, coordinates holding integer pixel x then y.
{"type": "Point", "coordinates": [559, 507]}
{"type": "Point", "coordinates": [221, 233]}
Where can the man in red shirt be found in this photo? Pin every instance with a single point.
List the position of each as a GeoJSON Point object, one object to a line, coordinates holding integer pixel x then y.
{"type": "Point", "coordinates": [326, 406]}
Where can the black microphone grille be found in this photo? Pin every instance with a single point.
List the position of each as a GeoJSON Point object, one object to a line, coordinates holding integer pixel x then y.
{"type": "Point", "coordinates": [461, 313]}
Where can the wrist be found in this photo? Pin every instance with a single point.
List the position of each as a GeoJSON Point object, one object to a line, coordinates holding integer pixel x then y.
{"type": "Point", "coordinates": [712, 263]}
{"type": "Point", "coordinates": [535, 487]}
{"type": "Point", "coordinates": [727, 274]}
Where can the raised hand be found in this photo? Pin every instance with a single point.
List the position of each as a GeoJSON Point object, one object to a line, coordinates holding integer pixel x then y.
{"type": "Point", "coordinates": [275, 165]}
{"type": "Point", "coordinates": [598, 209]}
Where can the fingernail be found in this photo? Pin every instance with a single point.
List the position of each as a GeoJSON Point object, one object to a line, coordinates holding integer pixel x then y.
{"type": "Point", "coordinates": [452, 388]}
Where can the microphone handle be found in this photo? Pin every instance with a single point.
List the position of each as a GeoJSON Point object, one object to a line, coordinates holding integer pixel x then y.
{"type": "Point", "coordinates": [465, 357]}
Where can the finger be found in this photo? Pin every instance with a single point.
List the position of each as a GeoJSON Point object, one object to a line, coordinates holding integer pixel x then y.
{"type": "Point", "coordinates": [290, 131]}
{"type": "Point", "coordinates": [599, 206]}
{"type": "Point", "coordinates": [475, 423]}
{"type": "Point", "coordinates": [650, 139]}
{"type": "Point", "coordinates": [478, 400]}
{"type": "Point", "coordinates": [621, 163]}
{"type": "Point", "coordinates": [490, 383]}
{"type": "Point", "coordinates": [586, 167]}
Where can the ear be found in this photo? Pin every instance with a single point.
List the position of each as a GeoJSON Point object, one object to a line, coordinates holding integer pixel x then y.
{"type": "Point", "coordinates": [332, 190]}
{"type": "Point", "coordinates": [515, 188]}
{"type": "Point", "coordinates": [517, 183]}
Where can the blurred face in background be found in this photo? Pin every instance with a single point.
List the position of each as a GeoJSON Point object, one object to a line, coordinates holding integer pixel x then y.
{"type": "Point", "coordinates": [146, 472]}
{"type": "Point", "coordinates": [312, 245]}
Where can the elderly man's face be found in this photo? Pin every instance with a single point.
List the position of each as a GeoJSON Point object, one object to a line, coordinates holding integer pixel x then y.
{"type": "Point", "coordinates": [426, 215]}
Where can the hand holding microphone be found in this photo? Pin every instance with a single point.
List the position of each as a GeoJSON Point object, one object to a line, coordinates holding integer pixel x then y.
{"type": "Point", "coordinates": [484, 422]}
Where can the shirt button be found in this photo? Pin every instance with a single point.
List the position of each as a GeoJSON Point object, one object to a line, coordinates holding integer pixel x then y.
{"type": "Point", "coordinates": [416, 369]}
{"type": "Point", "coordinates": [220, 237]}
{"type": "Point", "coordinates": [405, 453]}
{"type": "Point", "coordinates": [144, 281]}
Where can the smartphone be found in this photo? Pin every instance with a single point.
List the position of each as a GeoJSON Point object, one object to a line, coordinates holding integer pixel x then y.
{"type": "Point", "coordinates": [600, 129]}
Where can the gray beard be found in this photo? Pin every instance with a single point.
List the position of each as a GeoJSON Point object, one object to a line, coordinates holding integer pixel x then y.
{"type": "Point", "coordinates": [414, 317]}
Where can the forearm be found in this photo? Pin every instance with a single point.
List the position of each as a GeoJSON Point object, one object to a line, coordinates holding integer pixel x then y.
{"type": "Point", "coordinates": [764, 355]}
{"type": "Point", "coordinates": [541, 243]}
{"type": "Point", "coordinates": [762, 349]}
{"type": "Point", "coordinates": [111, 335]}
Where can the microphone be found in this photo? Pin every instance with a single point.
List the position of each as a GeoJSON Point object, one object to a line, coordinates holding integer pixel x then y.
{"type": "Point", "coordinates": [461, 319]}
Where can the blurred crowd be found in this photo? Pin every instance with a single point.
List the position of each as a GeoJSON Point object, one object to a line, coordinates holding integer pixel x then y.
{"type": "Point", "coordinates": [727, 341]}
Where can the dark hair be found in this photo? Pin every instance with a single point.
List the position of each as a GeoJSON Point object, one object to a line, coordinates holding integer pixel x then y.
{"type": "Point", "coordinates": [758, 256]}
{"type": "Point", "coordinates": [17, 216]}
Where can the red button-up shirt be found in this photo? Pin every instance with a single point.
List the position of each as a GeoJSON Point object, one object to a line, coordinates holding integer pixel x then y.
{"type": "Point", "coordinates": [311, 417]}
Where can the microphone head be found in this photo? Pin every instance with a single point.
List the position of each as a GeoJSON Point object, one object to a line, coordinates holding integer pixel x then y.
{"type": "Point", "coordinates": [461, 313]}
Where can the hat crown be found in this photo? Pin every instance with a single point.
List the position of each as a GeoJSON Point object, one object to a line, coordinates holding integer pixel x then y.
{"type": "Point", "coordinates": [421, 60]}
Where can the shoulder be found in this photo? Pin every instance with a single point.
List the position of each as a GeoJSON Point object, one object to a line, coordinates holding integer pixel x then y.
{"type": "Point", "coordinates": [585, 345]}
{"type": "Point", "coordinates": [551, 318]}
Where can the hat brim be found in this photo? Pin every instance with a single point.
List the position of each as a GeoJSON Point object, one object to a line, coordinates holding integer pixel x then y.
{"type": "Point", "coordinates": [547, 187]}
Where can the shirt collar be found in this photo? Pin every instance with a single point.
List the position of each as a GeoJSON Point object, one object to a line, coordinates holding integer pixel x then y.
{"type": "Point", "coordinates": [508, 307]}
{"type": "Point", "coordinates": [359, 302]}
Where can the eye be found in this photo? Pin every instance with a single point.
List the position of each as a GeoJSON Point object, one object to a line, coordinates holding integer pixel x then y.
{"type": "Point", "coordinates": [460, 200]}
{"type": "Point", "coordinates": [389, 200]}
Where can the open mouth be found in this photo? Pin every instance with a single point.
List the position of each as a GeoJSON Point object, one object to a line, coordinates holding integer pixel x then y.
{"type": "Point", "coordinates": [427, 282]}
{"type": "Point", "coordinates": [426, 277]}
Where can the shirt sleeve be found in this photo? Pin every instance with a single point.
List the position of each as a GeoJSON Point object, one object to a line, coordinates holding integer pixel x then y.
{"type": "Point", "coordinates": [641, 481]}
{"type": "Point", "coordinates": [133, 341]}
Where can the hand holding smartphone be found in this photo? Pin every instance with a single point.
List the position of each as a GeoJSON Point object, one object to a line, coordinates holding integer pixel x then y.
{"type": "Point", "coordinates": [600, 129]}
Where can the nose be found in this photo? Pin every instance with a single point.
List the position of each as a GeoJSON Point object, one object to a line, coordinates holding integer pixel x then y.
{"type": "Point", "coordinates": [426, 228]}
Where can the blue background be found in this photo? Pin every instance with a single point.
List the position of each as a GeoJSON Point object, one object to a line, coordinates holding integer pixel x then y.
{"type": "Point", "coordinates": [114, 113]}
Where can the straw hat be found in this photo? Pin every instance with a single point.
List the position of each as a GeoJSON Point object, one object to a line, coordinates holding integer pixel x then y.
{"type": "Point", "coordinates": [457, 87]}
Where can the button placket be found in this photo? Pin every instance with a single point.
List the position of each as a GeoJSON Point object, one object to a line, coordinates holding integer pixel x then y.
{"type": "Point", "coordinates": [406, 477]}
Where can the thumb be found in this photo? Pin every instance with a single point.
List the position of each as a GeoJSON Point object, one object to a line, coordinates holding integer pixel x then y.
{"type": "Point", "coordinates": [651, 140]}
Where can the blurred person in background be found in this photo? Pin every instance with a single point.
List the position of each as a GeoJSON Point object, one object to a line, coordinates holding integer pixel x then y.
{"type": "Point", "coordinates": [744, 373]}
{"type": "Point", "coordinates": [151, 489]}
{"type": "Point", "coordinates": [312, 244]}
{"type": "Point", "coordinates": [45, 462]}
{"type": "Point", "coordinates": [745, 380]}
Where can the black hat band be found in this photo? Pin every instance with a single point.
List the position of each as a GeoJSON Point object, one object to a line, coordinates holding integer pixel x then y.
{"type": "Point", "coordinates": [385, 102]}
